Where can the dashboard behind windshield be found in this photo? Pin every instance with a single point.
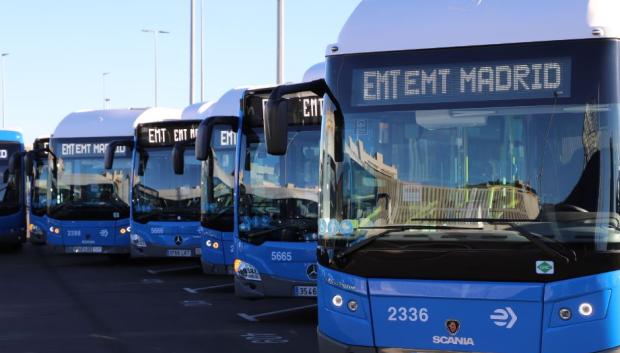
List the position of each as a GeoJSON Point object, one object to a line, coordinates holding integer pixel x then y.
{"type": "Point", "coordinates": [278, 191]}
{"type": "Point", "coordinates": [81, 188]}
{"type": "Point", "coordinates": [161, 195]}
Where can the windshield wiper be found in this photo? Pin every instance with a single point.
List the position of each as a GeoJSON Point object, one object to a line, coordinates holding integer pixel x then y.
{"type": "Point", "coordinates": [259, 233]}
{"type": "Point", "coordinates": [563, 253]}
{"type": "Point", "coordinates": [395, 228]}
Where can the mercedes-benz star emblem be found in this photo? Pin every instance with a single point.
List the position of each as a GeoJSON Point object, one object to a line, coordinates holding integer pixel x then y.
{"type": "Point", "coordinates": [178, 240]}
{"type": "Point", "coordinates": [312, 272]}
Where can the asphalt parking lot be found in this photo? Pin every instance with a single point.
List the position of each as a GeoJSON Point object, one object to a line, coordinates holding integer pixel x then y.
{"type": "Point", "coordinates": [68, 303]}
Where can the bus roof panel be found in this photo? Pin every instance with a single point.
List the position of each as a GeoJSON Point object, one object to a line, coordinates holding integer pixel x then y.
{"type": "Point", "coordinates": [391, 25]}
{"type": "Point", "coordinates": [11, 136]}
{"type": "Point", "coordinates": [315, 72]}
{"type": "Point", "coordinates": [196, 110]}
{"type": "Point", "coordinates": [110, 122]}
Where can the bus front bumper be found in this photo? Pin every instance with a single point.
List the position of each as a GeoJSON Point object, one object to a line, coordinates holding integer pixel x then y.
{"type": "Point", "coordinates": [329, 345]}
{"type": "Point", "coordinates": [90, 249]}
{"type": "Point", "coordinates": [216, 269]}
{"type": "Point", "coordinates": [13, 237]}
{"type": "Point", "coordinates": [153, 250]}
{"type": "Point", "coordinates": [271, 287]}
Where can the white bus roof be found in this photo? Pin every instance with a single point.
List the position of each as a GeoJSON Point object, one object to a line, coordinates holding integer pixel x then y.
{"type": "Point", "coordinates": [391, 25]}
{"type": "Point", "coordinates": [196, 111]}
{"type": "Point", "coordinates": [229, 104]}
{"type": "Point", "coordinates": [111, 122]}
{"type": "Point", "coordinates": [315, 72]}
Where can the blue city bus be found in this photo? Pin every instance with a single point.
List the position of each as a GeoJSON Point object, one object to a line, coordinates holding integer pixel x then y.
{"type": "Point", "coordinates": [469, 178]}
{"type": "Point", "coordinates": [165, 201]}
{"type": "Point", "coordinates": [88, 206]}
{"type": "Point", "coordinates": [218, 206]}
{"type": "Point", "coordinates": [12, 207]}
{"type": "Point", "coordinates": [38, 178]}
{"type": "Point", "coordinates": [274, 199]}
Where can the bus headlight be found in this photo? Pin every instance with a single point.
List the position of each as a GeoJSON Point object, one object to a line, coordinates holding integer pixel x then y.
{"type": "Point", "coordinates": [138, 240]}
{"type": "Point", "coordinates": [125, 230]}
{"type": "Point", "coordinates": [246, 270]}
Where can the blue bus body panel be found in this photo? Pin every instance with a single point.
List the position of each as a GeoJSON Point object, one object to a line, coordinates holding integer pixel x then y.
{"type": "Point", "coordinates": [41, 223]}
{"type": "Point", "coordinates": [599, 331]}
{"type": "Point", "coordinates": [162, 234]}
{"type": "Point", "coordinates": [12, 227]}
{"type": "Point", "coordinates": [272, 258]}
{"type": "Point", "coordinates": [12, 136]}
{"type": "Point", "coordinates": [222, 254]}
{"type": "Point", "coordinates": [339, 323]}
{"type": "Point", "coordinates": [89, 233]}
{"type": "Point", "coordinates": [492, 317]}
{"type": "Point", "coordinates": [399, 309]}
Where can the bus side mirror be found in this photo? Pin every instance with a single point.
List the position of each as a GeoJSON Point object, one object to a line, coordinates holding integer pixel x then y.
{"type": "Point", "coordinates": [276, 118]}
{"type": "Point", "coordinates": [29, 163]}
{"type": "Point", "coordinates": [5, 176]}
{"type": "Point", "coordinates": [276, 125]}
{"type": "Point", "coordinates": [201, 147]}
{"type": "Point", "coordinates": [110, 150]}
{"type": "Point", "coordinates": [178, 158]}
{"type": "Point", "coordinates": [15, 162]}
{"type": "Point", "coordinates": [143, 159]}
{"type": "Point", "coordinates": [205, 133]}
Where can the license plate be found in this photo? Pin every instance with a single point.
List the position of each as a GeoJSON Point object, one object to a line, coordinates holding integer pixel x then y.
{"type": "Point", "coordinates": [179, 253]}
{"type": "Point", "coordinates": [86, 249]}
{"type": "Point", "coordinates": [305, 291]}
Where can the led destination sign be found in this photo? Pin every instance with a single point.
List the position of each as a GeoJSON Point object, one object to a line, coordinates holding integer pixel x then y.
{"type": "Point", "coordinates": [166, 135]}
{"type": "Point", "coordinates": [88, 149]}
{"type": "Point", "coordinates": [6, 151]}
{"type": "Point", "coordinates": [541, 78]}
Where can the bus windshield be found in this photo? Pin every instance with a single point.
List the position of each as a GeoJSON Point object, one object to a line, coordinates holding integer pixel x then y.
{"type": "Point", "coordinates": [81, 188]}
{"type": "Point", "coordinates": [280, 191]}
{"type": "Point", "coordinates": [39, 188]}
{"type": "Point", "coordinates": [513, 164]}
{"type": "Point", "coordinates": [217, 208]}
{"type": "Point", "coordinates": [161, 195]}
{"type": "Point", "coordinates": [9, 185]}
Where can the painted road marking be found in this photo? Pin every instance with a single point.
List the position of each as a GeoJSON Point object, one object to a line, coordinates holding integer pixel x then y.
{"type": "Point", "coordinates": [219, 286]}
{"type": "Point", "coordinates": [193, 303]}
{"type": "Point", "coordinates": [264, 338]}
{"type": "Point", "coordinates": [173, 269]}
{"type": "Point", "coordinates": [152, 281]}
{"type": "Point", "coordinates": [256, 317]}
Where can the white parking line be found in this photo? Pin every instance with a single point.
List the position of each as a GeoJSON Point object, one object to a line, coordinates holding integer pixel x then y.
{"type": "Point", "coordinates": [254, 318]}
{"type": "Point", "coordinates": [192, 303]}
{"type": "Point", "coordinates": [152, 281]}
{"type": "Point", "coordinates": [196, 290]}
{"type": "Point", "coordinates": [173, 269]}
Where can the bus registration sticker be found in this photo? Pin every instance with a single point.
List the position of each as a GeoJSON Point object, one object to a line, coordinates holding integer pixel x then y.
{"type": "Point", "coordinates": [545, 267]}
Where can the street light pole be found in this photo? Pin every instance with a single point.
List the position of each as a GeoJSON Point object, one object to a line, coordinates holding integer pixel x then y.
{"type": "Point", "coordinates": [105, 99]}
{"type": "Point", "coordinates": [192, 15]}
{"type": "Point", "coordinates": [2, 55]}
{"type": "Point", "coordinates": [156, 34]}
{"type": "Point", "coordinates": [202, 49]}
{"type": "Point", "coordinates": [280, 54]}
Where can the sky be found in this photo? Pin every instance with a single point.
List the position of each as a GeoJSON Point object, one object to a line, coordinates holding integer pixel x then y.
{"type": "Point", "coordinates": [60, 49]}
